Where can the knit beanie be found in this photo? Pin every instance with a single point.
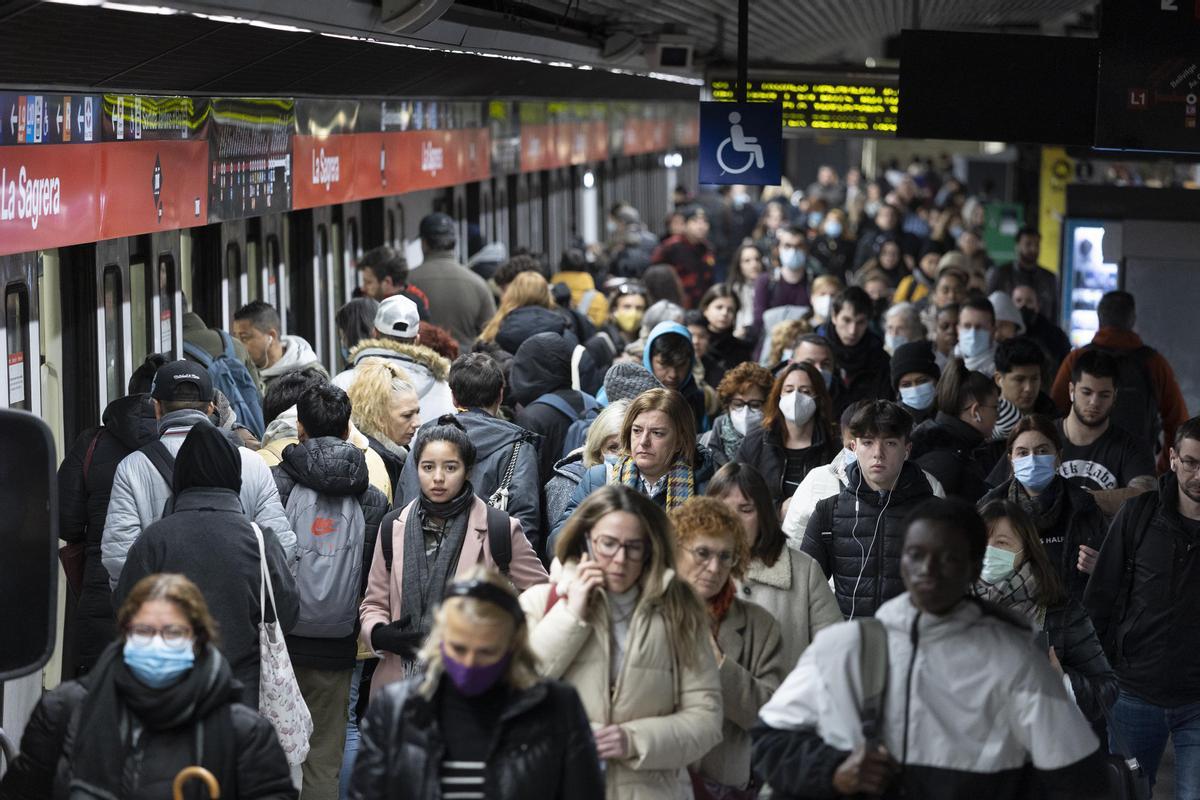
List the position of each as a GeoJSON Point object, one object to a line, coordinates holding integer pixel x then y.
{"type": "Point", "coordinates": [625, 380]}
{"type": "Point", "coordinates": [914, 357]}
{"type": "Point", "coordinates": [1006, 310]}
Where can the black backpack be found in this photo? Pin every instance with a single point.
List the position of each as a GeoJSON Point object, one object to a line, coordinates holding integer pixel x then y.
{"type": "Point", "coordinates": [499, 533]}
{"type": "Point", "coordinates": [1136, 408]}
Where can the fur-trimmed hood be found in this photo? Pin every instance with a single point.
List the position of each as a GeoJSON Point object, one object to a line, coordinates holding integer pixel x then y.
{"type": "Point", "coordinates": [437, 366]}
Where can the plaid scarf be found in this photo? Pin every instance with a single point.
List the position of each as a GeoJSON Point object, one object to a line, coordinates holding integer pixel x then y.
{"type": "Point", "coordinates": [1016, 592]}
{"type": "Point", "coordinates": [681, 481]}
{"type": "Point", "coordinates": [719, 605]}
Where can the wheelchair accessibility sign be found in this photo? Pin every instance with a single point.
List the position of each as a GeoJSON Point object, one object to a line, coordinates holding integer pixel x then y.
{"type": "Point", "coordinates": [741, 143]}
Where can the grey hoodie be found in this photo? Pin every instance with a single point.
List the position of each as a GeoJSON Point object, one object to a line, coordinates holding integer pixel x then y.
{"type": "Point", "coordinates": [297, 354]}
{"type": "Point", "coordinates": [139, 494]}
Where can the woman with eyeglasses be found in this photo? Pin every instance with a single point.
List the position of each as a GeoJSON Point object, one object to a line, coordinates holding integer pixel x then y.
{"type": "Point", "coordinates": [789, 584]}
{"type": "Point", "coordinates": [1071, 526]}
{"type": "Point", "coordinates": [746, 640]}
{"type": "Point", "coordinates": [619, 625]}
{"type": "Point", "coordinates": [161, 698]}
{"type": "Point", "coordinates": [743, 393]}
{"type": "Point", "coordinates": [478, 721]}
{"type": "Point", "coordinates": [797, 432]}
{"type": "Point", "coordinates": [441, 535]}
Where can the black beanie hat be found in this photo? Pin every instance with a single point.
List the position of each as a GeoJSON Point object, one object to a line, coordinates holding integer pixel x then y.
{"type": "Point", "coordinates": [914, 357]}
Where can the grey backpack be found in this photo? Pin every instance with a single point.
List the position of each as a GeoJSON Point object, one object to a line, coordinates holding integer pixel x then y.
{"type": "Point", "coordinates": [330, 536]}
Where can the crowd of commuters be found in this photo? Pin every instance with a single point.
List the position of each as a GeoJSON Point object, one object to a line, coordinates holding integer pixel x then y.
{"type": "Point", "coordinates": [805, 494]}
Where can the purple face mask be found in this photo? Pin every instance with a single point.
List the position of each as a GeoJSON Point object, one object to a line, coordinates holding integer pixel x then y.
{"type": "Point", "coordinates": [474, 681]}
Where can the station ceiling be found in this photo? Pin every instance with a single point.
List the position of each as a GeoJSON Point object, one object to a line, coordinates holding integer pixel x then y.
{"type": "Point", "coordinates": [334, 47]}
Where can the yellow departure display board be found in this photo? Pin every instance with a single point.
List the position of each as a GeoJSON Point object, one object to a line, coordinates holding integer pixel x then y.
{"type": "Point", "coordinates": [847, 104]}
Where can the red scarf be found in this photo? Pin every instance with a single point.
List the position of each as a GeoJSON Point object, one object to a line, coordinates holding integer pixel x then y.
{"type": "Point", "coordinates": [719, 603]}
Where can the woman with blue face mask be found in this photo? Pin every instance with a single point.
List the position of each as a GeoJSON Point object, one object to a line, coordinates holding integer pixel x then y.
{"type": "Point", "coordinates": [161, 698]}
{"type": "Point", "coordinates": [1069, 522]}
{"type": "Point", "coordinates": [1018, 575]}
{"type": "Point", "coordinates": [478, 721]}
{"type": "Point", "coordinates": [915, 375]}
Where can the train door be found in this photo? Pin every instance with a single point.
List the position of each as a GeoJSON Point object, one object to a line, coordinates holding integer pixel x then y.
{"type": "Point", "coordinates": [321, 280]}
{"type": "Point", "coordinates": [485, 211]}
{"type": "Point", "coordinates": [512, 211]}
{"type": "Point", "coordinates": [114, 329]}
{"type": "Point", "coordinates": [234, 265]}
{"type": "Point", "coordinates": [393, 223]}
{"type": "Point", "coordinates": [353, 224]}
{"type": "Point", "coordinates": [552, 216]}
{"type": "Point", "coordinates": [20, 389]}
{"type": "Point", "coordinates": [268, 239]}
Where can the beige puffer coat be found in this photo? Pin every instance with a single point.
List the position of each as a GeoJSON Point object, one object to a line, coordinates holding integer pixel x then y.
{"type": "Point", "coordinates": [670, 712]}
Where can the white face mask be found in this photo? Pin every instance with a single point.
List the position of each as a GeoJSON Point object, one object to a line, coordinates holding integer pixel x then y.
{"type": "Point", "coordinates": [821, 305]}
{"type": "Point", "coordinates": [797, 407]}
{"type": "Point", "coordinates": [745, 418]}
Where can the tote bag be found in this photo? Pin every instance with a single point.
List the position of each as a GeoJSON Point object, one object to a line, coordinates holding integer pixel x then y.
{"type": "Point", "coordinates": [279, 697]}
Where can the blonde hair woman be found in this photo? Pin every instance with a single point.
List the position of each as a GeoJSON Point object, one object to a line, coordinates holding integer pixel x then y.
{"type": "Point", "coordinates": [659, 457]}
{"type": "Point", "coordinates": [432, 735]}
{"type": "Point", "coordinates": [387, 410]}
{"type": "Point", "coordinates": [602, 446]}
{"type": "Point", "coordinates": [527, 309]}
{"type": "Point", "coordinates": [633, 639]}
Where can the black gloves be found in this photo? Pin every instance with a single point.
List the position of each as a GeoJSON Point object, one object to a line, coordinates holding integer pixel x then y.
{"type": "Point", "coordinates": [392, 638]}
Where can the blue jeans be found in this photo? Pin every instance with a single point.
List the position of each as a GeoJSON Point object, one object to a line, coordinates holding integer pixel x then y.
{"type": "Point", "coordinates": [1144, 729]}
{"type": "Point", "coordinates": [351, 737]}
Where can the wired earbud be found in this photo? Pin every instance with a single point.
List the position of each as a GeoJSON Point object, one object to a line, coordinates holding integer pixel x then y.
{"type": "Point", "coordinates": [866, 554]}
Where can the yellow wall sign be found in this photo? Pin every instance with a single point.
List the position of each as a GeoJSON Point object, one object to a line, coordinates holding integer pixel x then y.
{"type": "Point", "coordinates": [1058, 170]}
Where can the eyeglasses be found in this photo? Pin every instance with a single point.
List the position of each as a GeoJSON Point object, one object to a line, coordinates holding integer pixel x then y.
{"type": "Point", "coordinates": [726, 558]}
{"type": "Point", "coordinates": [754, 405]}
{"type": "Point", "coordinates": [177, 636]}
{"type": "Point", "coordinates": [1189, 464]}
{"type": "Point", "coordinates": [607, 547]}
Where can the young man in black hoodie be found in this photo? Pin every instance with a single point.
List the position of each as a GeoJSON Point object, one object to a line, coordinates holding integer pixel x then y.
{"type": "Point", "coordinates": [863, 365]}
{"type": "Point", "coordinates": [322, 656]}
{"type": "Point", "coordinates": [543, 366]}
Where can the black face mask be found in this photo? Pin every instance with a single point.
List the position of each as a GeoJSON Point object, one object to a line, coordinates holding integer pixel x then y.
{"type": "Point", "coordinates": [1029, 315]}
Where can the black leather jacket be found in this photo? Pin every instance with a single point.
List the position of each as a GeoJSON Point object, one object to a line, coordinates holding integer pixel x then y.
{"type": "Point", "coordinates": [543, 748]}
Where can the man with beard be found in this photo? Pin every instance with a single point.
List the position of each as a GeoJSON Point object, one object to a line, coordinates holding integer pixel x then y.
{"type": "Point", "coordinates": [1142, 598]}
{"type": "Point", "coordinates": [864, 366]}
{"type": "Point", "coordinates": [1098, 455]}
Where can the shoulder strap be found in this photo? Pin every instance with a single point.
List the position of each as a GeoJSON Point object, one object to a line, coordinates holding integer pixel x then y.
{"type": "Point", "coordinates": [558, 404]}
{"type": "Point", "coordinates": [873, 663]}
{"type": "Point", "coordinates": [162, 460]}
{"type": "Point", "coordinates": [576, 357]}
{"type": "Point", "coordinates": [198, 353]}
{"type": "Point", "coordinates": [265, 589]}
{"type": "Point", "coordinates": [499, 533]}
{"type": "Point", "coordinates": [499, 498]}
{"type": "Point", "coordinates": [87, 459]}
{"type": "Point", "coordinates": [385, 534]}
{"type": "Point", "coordinates": [227, 341]}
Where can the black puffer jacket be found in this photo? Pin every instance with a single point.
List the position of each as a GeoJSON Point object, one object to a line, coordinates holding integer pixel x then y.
{"type": "Point", "coordinates": [837, 536]}
{"type": "Point", "coordinates": [954, 453]}
{"type": "Point", "coordinates": [763, 449]}
{"type": "Point", "coordinates": [1074, 640]}
{"type": "Point", "coordinates": [1146, 616]}
{"type": "Point", "coordinates": [1080, 521]}
{"type": "Point", "coordinates": [83, 502]}
{"type": "Point", "coordinates": [337, 468]}
{"type": "Point", "coordinates": [527, 322]}
{"type": "Point", "coordinates": [543, 749]}
{"type": "Point", "coordinates": [43, 769]}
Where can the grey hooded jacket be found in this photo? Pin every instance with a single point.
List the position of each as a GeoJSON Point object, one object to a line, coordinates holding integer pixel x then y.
{"type": "Point", "coordinates": [494, 440]}
{"type": "Point", "coordinates": [139, 494]}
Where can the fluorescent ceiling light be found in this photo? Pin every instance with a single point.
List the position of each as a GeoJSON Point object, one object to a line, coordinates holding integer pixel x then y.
{"type": "Point", "coordinates": [137, 9]}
